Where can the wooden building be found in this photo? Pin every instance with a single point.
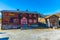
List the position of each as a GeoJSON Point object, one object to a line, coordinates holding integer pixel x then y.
{"type": "Point", "coordinates": [12, 19]}
{"type": "Point", "coordinates": [53, 21]}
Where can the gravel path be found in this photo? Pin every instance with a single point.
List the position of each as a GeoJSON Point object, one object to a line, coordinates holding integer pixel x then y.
{"type": "Point", "coordinates": [33, 34]}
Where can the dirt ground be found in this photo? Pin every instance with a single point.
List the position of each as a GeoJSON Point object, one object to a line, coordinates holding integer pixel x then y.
{"type": "Point", "coordinates": [33, 34]}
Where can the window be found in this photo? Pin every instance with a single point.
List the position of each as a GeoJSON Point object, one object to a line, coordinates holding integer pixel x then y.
{"type": "Point", "coordinates": [6, 20]}
{"type": "Point", "coordinates": [35, 21]}
{"type": "Point", "coordinates": [15, 20]}
{"type": "Point", "coordinates": [15, 14]}
{"type": "Point", "coordinates": [24, 20]}
{"type": "Point", "coordinates": [30, 21]}
{"type": "Point", "coordinates": [24, 15]}
{"type": "Point", "coordinates": [5, 13]}
{"type": "Point", "coordinates": [35, 15]}
{"type": "Point", "coordinates": [30, 15]}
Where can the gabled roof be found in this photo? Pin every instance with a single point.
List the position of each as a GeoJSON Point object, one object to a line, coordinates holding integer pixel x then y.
{"type": "Point", "coordinates": [58, 15]}
{"type": "Point", "coordinates": [34, 12]}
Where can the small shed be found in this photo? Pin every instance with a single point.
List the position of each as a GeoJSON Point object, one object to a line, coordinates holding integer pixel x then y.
{"type": "Point", "coordinates": [53, 21]}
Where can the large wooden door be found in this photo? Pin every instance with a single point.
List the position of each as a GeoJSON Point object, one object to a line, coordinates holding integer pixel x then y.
{"type": "Point", "coordinates": [54, 20]}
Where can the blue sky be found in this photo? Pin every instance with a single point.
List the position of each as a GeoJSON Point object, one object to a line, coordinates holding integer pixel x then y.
{"type": "Point", "coordinates": [42, 6]}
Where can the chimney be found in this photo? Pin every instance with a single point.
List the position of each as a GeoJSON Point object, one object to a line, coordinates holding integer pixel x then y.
{"type": "Point", "coordinates": [27, 10]}
{"type": "Point", "coordinates": [17, 9]}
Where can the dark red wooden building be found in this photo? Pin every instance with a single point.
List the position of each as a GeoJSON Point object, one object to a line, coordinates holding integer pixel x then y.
{"type": "Point", "coordinates": [19, 19]}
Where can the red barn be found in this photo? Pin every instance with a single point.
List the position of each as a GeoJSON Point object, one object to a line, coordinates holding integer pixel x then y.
{"type": "Point", "coordinates": [19, 19]}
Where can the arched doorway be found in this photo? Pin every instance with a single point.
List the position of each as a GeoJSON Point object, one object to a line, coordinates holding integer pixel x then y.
{"type": "Point", "coordinates": [23, 22]}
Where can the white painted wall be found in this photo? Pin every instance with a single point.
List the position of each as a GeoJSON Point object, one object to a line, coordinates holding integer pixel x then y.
{"type": "Point", "coordinates": [59, 18]}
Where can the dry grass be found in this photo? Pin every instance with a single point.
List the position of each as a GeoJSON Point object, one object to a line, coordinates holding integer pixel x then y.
{"type": "Point", "coordinates": [42, 20]}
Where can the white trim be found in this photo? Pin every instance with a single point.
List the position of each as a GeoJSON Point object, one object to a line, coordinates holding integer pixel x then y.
{"type": "Point", "coordinates": [48, 22]}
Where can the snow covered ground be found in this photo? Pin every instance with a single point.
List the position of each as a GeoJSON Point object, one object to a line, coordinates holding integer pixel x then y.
{"type": "Point", "coordinates": [33, 34]}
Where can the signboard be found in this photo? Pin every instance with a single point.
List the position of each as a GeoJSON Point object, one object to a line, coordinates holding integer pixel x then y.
{"type": "Point", "coordinates": [11, 14]}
